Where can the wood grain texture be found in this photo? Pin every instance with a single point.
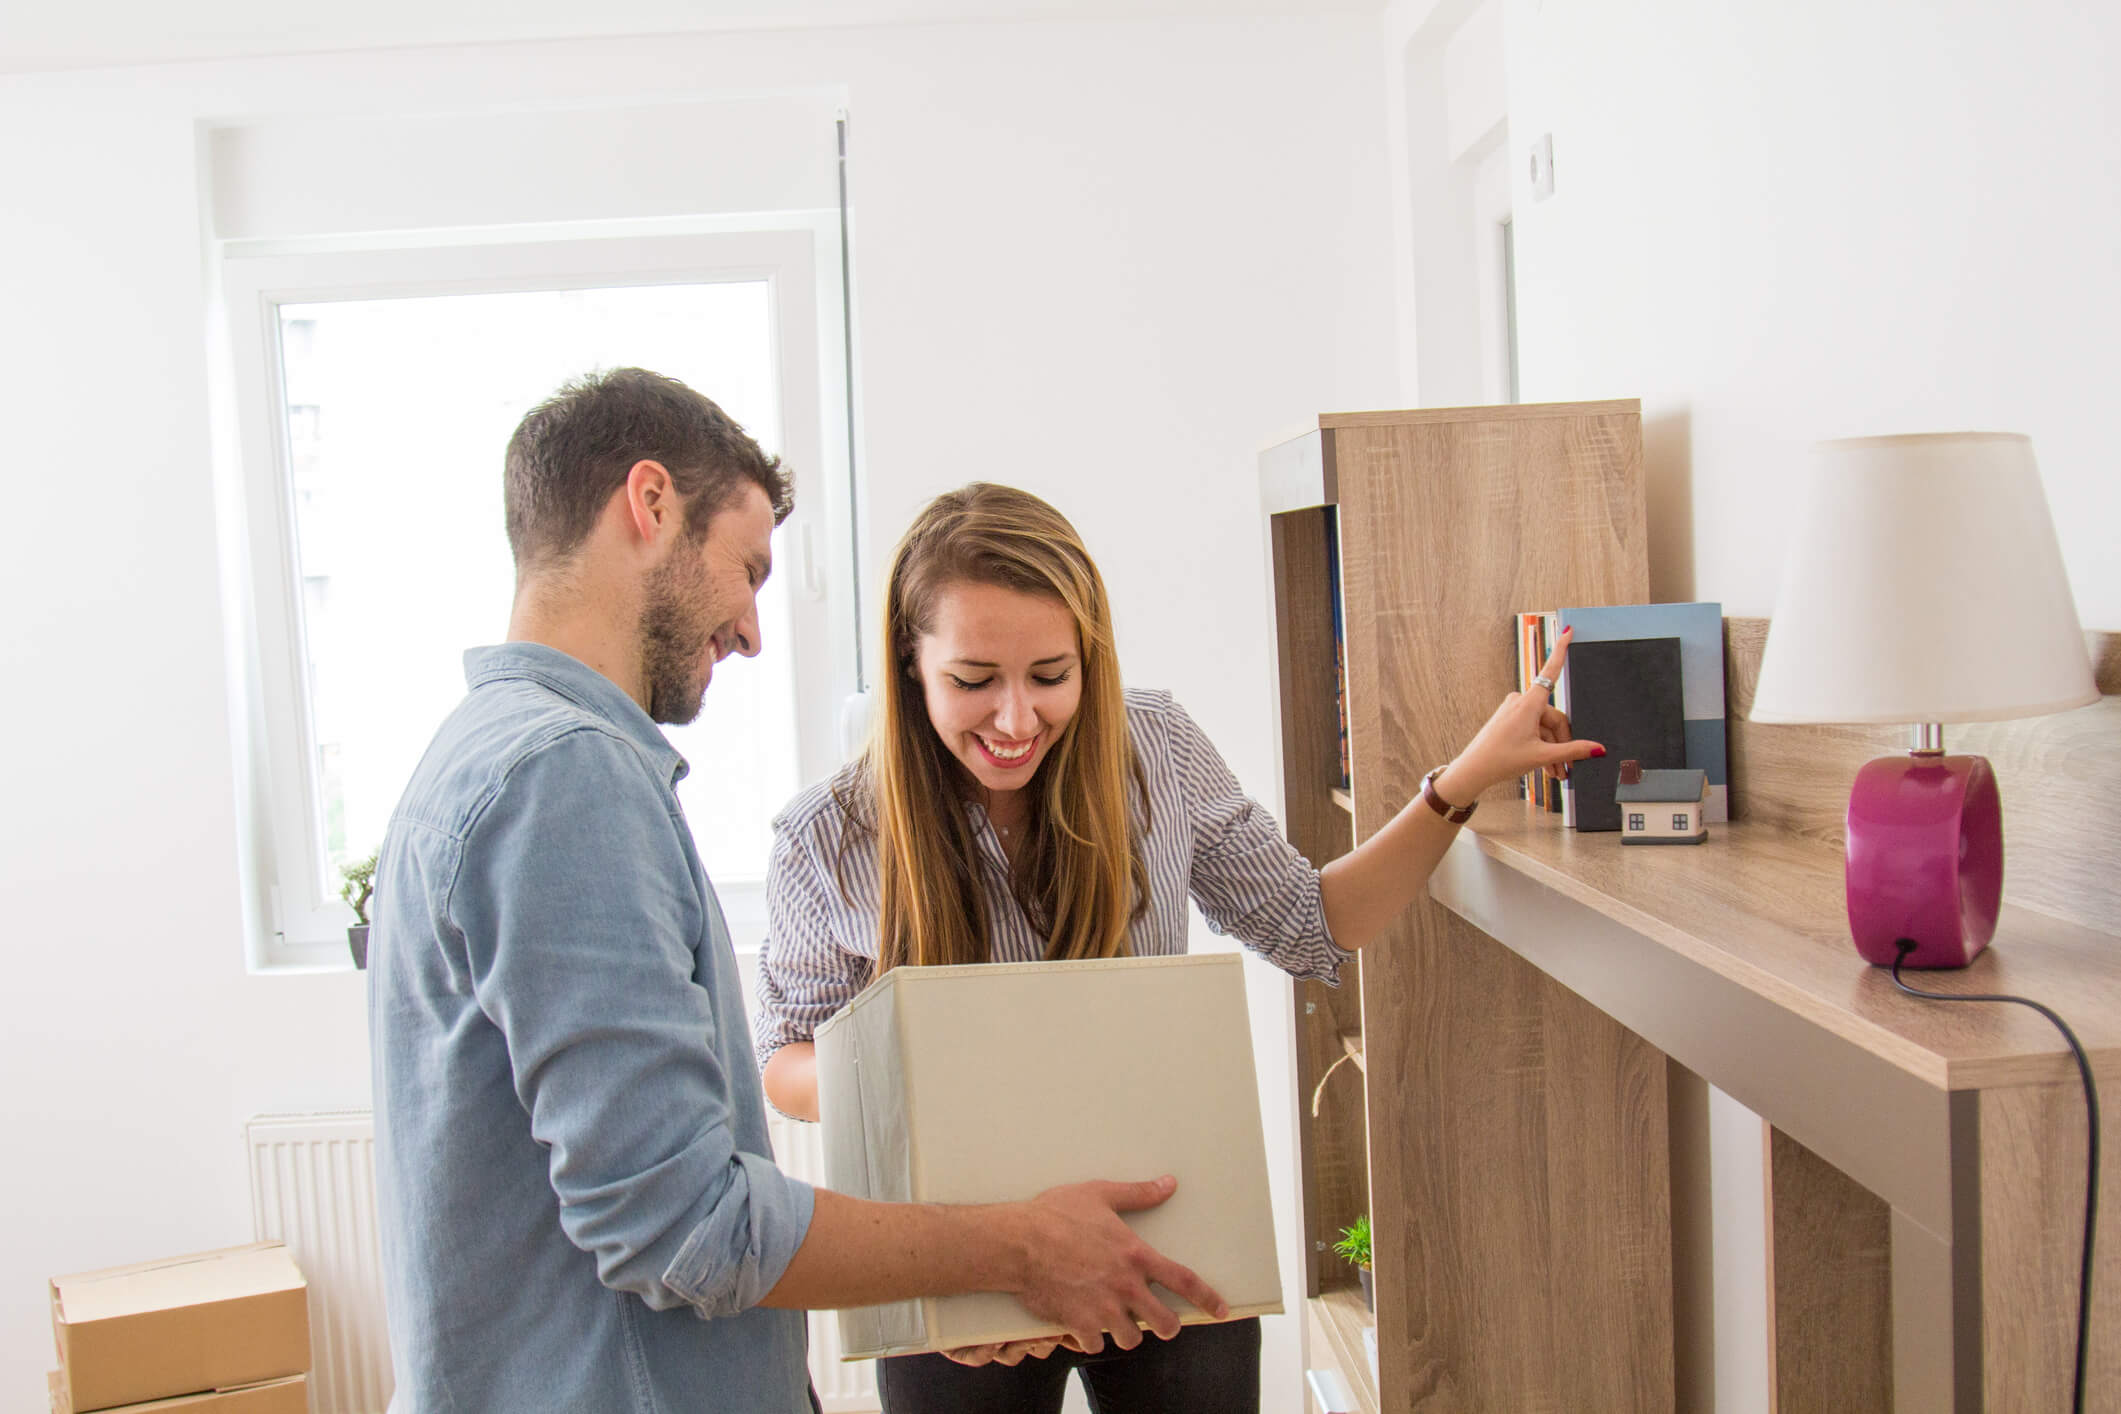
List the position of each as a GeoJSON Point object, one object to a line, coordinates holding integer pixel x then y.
{"type": "Point", "coordinates": [2032, 1224]}
{"type": "Point", "coordinates": [1765, 908]}
{"type": "Point", "coordinates": [1338, 1320]}
{"type": "Point", "coordinates": [1763, 905]}
{"type": "Point", "coordinates": [2060, 778]}
{"type": "Point", "coordinates": [1609, 1195]}
{"type": "Point", "coordinates": [1491, 414]}
{"type": "Point", "coordinates": [1332, 1147]}
{"type": "Point", "coordinates": [1520, 1207]}
{"type": "Point", "coordinates": [1830, 1287]}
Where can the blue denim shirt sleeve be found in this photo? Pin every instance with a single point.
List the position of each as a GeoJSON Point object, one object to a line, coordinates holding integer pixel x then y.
{"type": "Point", "coordinates": [581, 920]}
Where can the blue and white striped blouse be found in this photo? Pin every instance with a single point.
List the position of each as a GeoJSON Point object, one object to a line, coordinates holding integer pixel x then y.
{"type": "Point", "coordinates": [1205, 838]}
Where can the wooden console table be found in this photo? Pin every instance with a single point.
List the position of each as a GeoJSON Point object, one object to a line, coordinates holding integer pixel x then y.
{"type": "Point", "coordinates": [1926, 1160]}
{"type": "Point", "coordinates": [1732, 959]}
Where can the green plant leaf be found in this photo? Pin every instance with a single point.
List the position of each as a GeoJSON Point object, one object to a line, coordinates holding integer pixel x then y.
{"type": "Point", "coordinates": [1354, 1244]}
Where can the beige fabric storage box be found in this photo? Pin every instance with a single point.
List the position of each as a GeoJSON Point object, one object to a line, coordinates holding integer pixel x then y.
{"type": "Point", "coordinates": [996, 1082]}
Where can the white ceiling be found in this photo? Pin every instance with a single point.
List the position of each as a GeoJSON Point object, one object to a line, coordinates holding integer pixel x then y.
{"type": "Point", "coordinates": [72, 34]}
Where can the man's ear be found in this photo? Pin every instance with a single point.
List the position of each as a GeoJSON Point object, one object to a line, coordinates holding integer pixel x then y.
{"type": "Point", "coordinates": [653, 506]}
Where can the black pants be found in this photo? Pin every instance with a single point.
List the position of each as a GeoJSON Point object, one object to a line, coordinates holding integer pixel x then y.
{"type": "Point", "coordinates": [1209, 1369]}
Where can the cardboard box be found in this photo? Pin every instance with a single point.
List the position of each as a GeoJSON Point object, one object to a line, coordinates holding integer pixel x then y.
{"type": "Point", "coordinates": [994, 1083]}
{"type": "Point", "coordinates": [290, 1396]}
{"type": "Point", "coordinates": [207, 1321]}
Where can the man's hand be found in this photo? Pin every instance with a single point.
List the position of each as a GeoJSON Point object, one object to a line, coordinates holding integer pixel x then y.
{"type": "Point", "coordinates": [1086, 1272]}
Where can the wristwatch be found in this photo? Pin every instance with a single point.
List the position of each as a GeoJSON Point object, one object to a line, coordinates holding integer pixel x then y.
{"type": "Point", "coordinates": [1456, 814]}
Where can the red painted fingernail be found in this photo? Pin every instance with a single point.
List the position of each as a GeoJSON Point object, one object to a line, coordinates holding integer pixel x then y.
{"type": "Point", "coordinates": [1598, 751]}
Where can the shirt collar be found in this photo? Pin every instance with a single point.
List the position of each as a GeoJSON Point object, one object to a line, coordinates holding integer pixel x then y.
{"type": "Point", "coordinates": [580, 684]}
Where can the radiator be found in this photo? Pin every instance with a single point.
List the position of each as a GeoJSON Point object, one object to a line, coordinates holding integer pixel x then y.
{"type": "Point", "coordinates": [842, 1388]}
{"type": "Point", "coordinates": [312, 1186]}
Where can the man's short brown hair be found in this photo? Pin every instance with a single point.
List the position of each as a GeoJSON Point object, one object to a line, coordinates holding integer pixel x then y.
{"type": "Point", "coordinates": [572, 451]}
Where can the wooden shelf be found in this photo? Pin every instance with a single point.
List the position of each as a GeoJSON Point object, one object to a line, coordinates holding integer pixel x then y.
{"type": "Point", "coordinates": [1761, 910]}
{"type": "Point", "coordinates": [1344, 800]}
{"type": "Point", "coordinates": [1901, 1130]}
{"type": "Point", "coordinates": [1352, 1044]}
{"type": "Point", "coordinates": [1338, 1320]}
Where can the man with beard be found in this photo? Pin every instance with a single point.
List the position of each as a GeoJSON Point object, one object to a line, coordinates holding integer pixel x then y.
{"type": "Point", "coordinates": [578, 1208]}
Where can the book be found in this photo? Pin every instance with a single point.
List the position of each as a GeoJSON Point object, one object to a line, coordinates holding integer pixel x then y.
{"type": "Point", "coordinates": [1535, 636]}
{"type": "Point", "coordinates": [1340, 641]}
{"type": "Point", "coordinates": [1624, 693]}
{"type": "Point", "coordinates": [1699, 629]}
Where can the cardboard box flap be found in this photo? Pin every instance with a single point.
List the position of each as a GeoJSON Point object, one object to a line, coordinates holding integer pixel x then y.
{"type": "Point", "coordinates": [195, 1280]}
{"type": "Point", "coordinates": [179, 1325]}
{"type": "Point", "coordinates": [283, 1396]}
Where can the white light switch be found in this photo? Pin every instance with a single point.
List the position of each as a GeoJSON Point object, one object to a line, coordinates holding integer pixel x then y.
{"type": "Point", "coordinates": [1543, 167]}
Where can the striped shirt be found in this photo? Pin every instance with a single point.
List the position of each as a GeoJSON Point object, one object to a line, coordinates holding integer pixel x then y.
{"type": "Point", "coordinates": [1205, 838]}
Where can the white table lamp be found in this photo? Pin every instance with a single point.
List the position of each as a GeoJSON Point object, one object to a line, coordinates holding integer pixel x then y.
{"type": "Point", "coordinates": [1924, 586]}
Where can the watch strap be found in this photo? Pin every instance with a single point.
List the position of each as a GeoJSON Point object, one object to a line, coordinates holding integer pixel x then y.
{"type": "Point", "coordinates": [1456, 814]}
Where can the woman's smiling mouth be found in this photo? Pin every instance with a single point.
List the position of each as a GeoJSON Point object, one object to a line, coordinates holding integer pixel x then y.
{"type": "Point", "coordinates": [1008, 755]}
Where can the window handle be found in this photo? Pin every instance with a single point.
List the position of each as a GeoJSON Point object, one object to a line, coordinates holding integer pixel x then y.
{"type": "Point", "coordinates": [813, 581]}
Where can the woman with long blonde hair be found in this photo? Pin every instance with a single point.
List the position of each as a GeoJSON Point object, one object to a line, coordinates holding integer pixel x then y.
{"type": "Point", "coordinates": [1015, 803]}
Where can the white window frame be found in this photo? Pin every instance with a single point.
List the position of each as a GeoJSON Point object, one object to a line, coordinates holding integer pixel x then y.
{"type": "Point", "coordinates": [291, 924]}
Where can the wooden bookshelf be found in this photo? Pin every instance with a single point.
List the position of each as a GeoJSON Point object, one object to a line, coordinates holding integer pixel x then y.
{"type": "Point", "coordinates": [1500, 1100]}
{"type": "Point", "coordinates": [1337, 1322]}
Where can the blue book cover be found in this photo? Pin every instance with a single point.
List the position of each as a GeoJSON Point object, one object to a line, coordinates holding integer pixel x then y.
{"type": "Point", "coordinates": [1699, 629]}
{"type": "Point", "coordinates": [1340, 640]}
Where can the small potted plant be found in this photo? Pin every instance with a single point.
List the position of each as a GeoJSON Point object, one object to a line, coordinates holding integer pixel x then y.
{"type": "Point", "coordinates": [1354, 1248]}
{"type": "Point", "coordinates": [358, 886]}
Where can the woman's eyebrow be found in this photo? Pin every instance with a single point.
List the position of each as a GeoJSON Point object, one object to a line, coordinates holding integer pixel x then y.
{"type": "Point", "coordinates": [1036, 662]}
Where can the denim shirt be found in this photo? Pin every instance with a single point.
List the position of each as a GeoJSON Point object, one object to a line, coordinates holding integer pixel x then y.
{"type": "Point", "coordinates": [577, 1204]}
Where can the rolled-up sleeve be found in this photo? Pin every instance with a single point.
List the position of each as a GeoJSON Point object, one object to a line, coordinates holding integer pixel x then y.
{"type": "Point", "coordinates": [580, 918]}
{"type": "Point", "coordinates": [1250, 882]}
{"type": "Point", "coordinates": [805, 976]}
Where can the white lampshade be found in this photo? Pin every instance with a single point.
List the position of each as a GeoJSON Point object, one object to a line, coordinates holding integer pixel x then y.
{"type": "Point", "coordinates": [1924, 585]}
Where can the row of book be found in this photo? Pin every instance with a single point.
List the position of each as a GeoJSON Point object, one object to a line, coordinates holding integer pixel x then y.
{"type": "Point", "coordinates": [1340, 641]}
{"type": "Point", "coordinates": [1643, 680]}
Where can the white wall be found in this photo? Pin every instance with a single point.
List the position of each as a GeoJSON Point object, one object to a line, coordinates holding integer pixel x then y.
{"type": "Point", "coordinates": [1821, 219]}
{"type": "Point", "coordinates": [1777, 224]}
{"type": "Point", "coordinates": [1104, 261]}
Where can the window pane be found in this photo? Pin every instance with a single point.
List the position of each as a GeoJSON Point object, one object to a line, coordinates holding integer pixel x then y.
{"type": "Point", "coordinates": [399, 412]}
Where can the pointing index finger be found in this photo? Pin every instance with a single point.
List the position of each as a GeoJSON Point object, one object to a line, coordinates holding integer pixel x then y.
{"type": "Point", "coordinates": [1556, 660]}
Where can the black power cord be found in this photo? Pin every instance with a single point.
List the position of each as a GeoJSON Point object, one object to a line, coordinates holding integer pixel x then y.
{"type": "Point", "coordinates": [2091, 1110]}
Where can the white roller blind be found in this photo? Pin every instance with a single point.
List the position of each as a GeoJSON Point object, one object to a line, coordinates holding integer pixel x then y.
{"type": "Point", "coordinates": [286, 178]}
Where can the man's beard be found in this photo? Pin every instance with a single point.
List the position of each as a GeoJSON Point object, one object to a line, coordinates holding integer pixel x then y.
{"type": "Point", "coordinates": [673, 645]}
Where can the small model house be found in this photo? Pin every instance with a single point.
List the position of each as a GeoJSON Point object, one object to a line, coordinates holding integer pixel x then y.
{"type": "Point", "coordinates": [1661, 807]}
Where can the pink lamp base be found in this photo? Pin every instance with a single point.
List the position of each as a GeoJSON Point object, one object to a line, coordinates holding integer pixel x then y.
{"type": "Point", "coordinates": [1925, 858]}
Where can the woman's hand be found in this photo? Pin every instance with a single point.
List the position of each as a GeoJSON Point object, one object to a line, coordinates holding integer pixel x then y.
{"type": "Point", "coordinates": [1527, 733]}
{"type": "Point", "coordinates": [1009, 1352]}
{"type": "Point", "coordinates": [1372, 884]}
